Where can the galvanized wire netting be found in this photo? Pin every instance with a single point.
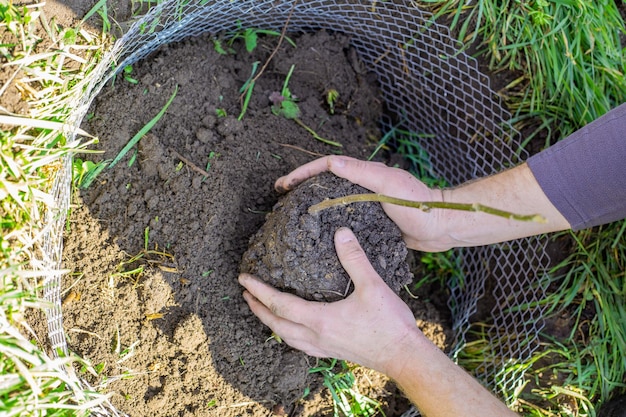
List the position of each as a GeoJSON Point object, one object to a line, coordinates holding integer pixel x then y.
{"type": "Point", "coordinates": [428, 85]}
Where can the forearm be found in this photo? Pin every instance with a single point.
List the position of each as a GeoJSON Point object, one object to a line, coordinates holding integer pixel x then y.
{"type": "Point", "coordinates": [438, 387]}
{"type": "Point", "coordinates": [577, 183]}
{"type": "Point", "coordinates": [514, 190]}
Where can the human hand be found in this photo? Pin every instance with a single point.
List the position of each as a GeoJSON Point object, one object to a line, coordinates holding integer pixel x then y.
{"type": "Point", "coordinates": [372, 326]}
{"type": "Point", "coordinates": [421, 231]}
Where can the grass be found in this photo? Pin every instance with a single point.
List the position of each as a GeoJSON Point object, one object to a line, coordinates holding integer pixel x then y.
{"type": "Point", "coordinates": [32, 383]}
{"type": "Point", "coordinates": [566, 54]}
{"type": "Point", "coordinates": [341, 383]}
{"type": "Point", "coordinates": [142, 132]}
{"type": "Point", "coordinates": [32, 150]}
{"type": "Point", "coordinates": [572, 375]}
{"type": "Point", "coordinates": [592, 292]}
{"type": "Point", "coordinates": [556, 378]}
{"type": "Point", "coordinates": [246, 90]}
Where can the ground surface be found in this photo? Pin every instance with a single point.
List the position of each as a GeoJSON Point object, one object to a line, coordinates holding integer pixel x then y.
{"type": "Point", "coordinates": [181, 329]}
{"type": "Point", "coordinates": [206, 354]}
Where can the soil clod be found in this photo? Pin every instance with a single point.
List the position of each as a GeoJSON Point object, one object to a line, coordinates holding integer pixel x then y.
{"type": "Point", "coordinates": [295, 250]}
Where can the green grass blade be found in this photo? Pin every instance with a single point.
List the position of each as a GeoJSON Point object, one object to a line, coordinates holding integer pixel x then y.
{"type": "Point", "coordinates": [94, 10]}
{"type": "Point", "coordinates": [143, 130]}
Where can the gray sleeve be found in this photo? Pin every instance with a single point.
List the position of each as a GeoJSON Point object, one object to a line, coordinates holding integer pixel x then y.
{"type": "Point", "coordinates": [584, 175]}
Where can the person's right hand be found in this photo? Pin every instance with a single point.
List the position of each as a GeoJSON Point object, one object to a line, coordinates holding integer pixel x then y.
{"type": "Point", "coordinates": [421, 231]}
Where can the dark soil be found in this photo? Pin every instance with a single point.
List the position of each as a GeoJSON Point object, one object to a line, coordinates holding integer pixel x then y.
{"type": "Point", "coordinates": [295, 250]}
{"type": "Point", "coordinates": [178, 338]}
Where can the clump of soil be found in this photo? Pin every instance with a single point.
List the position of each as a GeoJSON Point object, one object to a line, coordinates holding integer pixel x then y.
{"type": "Point", "coordinates": [295, 250]}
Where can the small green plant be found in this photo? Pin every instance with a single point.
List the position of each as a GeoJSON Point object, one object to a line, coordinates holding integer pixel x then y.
{"type": "Point", "coordinates": [219, 48]}
{"type": "Point", "coordinates": [284, 105]}
{"type": "Point", "coordinates": [84, 172]}
{"type": "Point", "coordinates": [134, 267]}
{"type": "Point", "coordinates": [250, 37]}
{"type": "Point", "coordinates": [128, 71]}
{"type": "Point", "coordinates": [332, 96]}
{"type": "Point", "coordinates": [341, 383]}
{"type": "Point", "coordinates": [101, 9]}
{"type": "Point", "coordinates": [212, 156]}
{"type": "Point", "coordinates": [246, 90]}
{"type": "Point", "coordinates": [139, 7]}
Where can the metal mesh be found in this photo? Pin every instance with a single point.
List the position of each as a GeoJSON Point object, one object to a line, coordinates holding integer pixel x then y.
{"type": "Point", "coordinates": [428, 85]}
{"type": "Point", "coordinates": [53, 249]}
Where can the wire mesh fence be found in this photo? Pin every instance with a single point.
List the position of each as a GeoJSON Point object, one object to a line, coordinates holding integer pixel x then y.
{"type": "Point", "coordinates": [429, 86]}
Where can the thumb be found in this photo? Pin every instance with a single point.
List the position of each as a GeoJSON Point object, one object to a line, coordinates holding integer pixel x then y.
{"type": "Point", "coordinates": [353, 259]}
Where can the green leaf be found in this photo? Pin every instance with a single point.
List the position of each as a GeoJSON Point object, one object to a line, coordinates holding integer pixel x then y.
{"type": "Point", "coordinates": [289, 110]}
{"type": "Point", "coordinates": [100, 4]}
{"type": "Point", "coordinates": [92, 173]}
{"type": "Point", "coordinates": [217, 45]}
{"type": "Point", "coordinates": [250, 38]}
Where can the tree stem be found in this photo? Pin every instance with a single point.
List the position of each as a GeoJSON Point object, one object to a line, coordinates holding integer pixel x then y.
{"type": "Point", "coordinates": [425, 206]}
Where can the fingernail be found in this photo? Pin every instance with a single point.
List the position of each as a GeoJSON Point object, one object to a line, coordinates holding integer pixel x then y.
{"type": "Point", "coordinates": [344, 235]}
{"type": "Point", "coordinates": [337, 161]}
{"type": "Point", "coordinates": [242, 278]}
{"type": "Point", "coordinates": [279, 185]}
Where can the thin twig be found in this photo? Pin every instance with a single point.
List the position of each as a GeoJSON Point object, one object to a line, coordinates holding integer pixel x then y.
{"type": "Point", "coordinates": [425, 206]}
{"type": "Point", "coordinates": [274, 52]}
{"type": "Point", "coordinates": [300, 149]}
{"type": "Point", "coordinates": [536, 407]}
{"type": "Point", "coordinates": [77, 330]}
{"type": "Point", "coordinates": [382, 56]}
{"type": "Point", "coordinates": [315, 135]}
{"type": "Point", "coordinates": [190, 164]}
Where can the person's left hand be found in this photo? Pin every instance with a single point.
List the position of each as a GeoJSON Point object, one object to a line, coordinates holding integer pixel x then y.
{"type": "Point", "coordinates": [372, 326]}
